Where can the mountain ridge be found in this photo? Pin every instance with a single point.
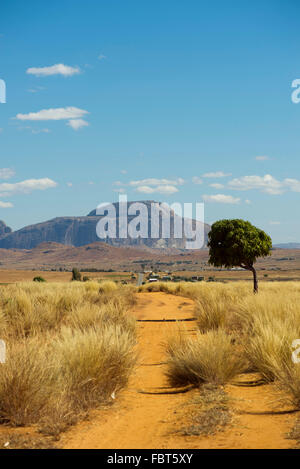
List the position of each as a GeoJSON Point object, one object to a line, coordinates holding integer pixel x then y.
{"type": "Point", "coordinates": [81, 230]}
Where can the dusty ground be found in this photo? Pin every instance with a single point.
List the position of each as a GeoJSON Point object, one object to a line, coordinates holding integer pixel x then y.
{"type": "Point", "coordinates": [13, 276]}
{"type": "Point", "coordinates": [139, 421]}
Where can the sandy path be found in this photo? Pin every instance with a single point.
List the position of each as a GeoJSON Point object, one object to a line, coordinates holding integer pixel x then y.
{"type": "Point", "coordinates": [138, 421]}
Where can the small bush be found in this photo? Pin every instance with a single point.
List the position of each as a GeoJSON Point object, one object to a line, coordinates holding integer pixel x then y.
{"type": "Point", "coordinates": [76, 275]}
{"type": "Point", "coordinates": [39, 279]}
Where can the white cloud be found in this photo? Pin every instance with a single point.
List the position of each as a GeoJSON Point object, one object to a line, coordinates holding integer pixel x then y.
{"type": "Point", "coordinates": [262, 158]}
{"type": "Point", "coordinates": [158, 182]}
{"type": "Point", "coordinates": [266, 183]}
{"type": "Point", "coordinates": [217, 174]}
{"type": "Point", "coordinates": [145, 189]}
{"type": "Point", "coordinates": [165, 189]}
{"type": "Point", "coordinates": [6, 173]}
{"type": "Point", "coordinates": [57, 114]}
{"type": "Point", "coordinates": [57, 69]}
{"type": "Point", "coordinates": [292, 184]}
{"type": "Point", "coordinates": [221, 199]}
{"type": "Point", "coordinates": [77, 124]}
{"type": "Point", "coordinates": [25, 187]}
{"type": "Point", "coordinates": [197, 180]}
{"type": "Point", "coordinates": [217, 186]}
{"type": "Point", "coordinates": [6, 204]}
{"type": "Point", "coordinates": [153, 185]}
{"type": "Point", "coordinates": [101, 57]}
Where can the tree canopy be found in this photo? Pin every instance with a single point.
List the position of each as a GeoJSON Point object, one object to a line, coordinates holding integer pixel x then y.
{"type": "Point", "coordinates": [237, 243]}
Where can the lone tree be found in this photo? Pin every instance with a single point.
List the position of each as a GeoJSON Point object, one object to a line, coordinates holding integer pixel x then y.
{"type": "Point", "coordinates": [237, 243]}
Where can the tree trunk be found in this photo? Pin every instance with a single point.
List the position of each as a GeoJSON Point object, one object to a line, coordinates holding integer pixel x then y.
{"type": "Point", "coordinates": [252, 269]}
{"type": "Point", "coordinates": [255, 281]}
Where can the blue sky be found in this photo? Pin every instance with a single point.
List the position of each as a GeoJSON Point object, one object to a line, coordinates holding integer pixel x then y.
{"type": "Point", "coordinates": [166, 100]}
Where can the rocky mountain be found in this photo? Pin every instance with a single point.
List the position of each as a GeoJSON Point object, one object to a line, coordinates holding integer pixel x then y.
{"type": "Point", "coordinates": [80, 231]}
{"type": "Point", "coordinates": [4, 230]}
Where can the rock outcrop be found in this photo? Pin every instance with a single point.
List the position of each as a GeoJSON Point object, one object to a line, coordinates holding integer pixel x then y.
{"type": "Point", "coordinates": [80, 231]}
{"type": "Point", "coordinates": [4, 229]}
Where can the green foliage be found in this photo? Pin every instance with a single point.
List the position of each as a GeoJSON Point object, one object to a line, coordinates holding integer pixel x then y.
{"type": "Point", "coordinates": [39, 279]}
{"type": "Point", "coordinates": [237, 243]}
{"type": "Point", "coordinates": [76, 275]}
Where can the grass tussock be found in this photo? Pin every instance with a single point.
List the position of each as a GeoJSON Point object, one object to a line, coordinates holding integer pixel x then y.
{"type": "Point", "coordinates": [94, 363]}
{"type": "Point", "coordinates": [70, 348]}
{"type": "Point", "coordinates": [206, 358]}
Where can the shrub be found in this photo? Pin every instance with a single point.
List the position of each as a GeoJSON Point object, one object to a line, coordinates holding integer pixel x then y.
{"type": "Point", "coordinates": [76, 275]}
{"type": "Point", "coordinates": [39, 279]}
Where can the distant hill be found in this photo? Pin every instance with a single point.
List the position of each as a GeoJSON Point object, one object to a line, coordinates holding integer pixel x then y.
{"type": "Point", "coordinates": [81, 231]}
{"type": "Point", "coordinates": [287, 246]}
{"type": "Point", "coordinates": [47, 256]}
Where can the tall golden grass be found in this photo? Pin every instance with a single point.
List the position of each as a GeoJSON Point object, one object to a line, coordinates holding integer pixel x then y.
{"type": "Point", "coordinates": [206, 358]}
{"type": "Point", "coordinates": [70, 347]}
{"type": "Point", "coordinates": [261, 328]}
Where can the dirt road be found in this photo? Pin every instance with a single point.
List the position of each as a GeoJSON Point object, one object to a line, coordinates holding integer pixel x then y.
{"type": "Point", "coordinates": [138, 421]}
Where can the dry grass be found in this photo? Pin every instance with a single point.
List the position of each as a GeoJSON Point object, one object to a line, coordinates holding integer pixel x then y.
{"type": "Point", "coordinates": [69, 348]}
{"type": "Point", "coordinates": [29, 309]}
{"type": "Point", "coordinates": [294, 434]}
{"type": "Point", "coordinates": [25, 382]}
{"type": "Point", "coordinates": [94, 363]}
{"type": "Point", "coordinates": [11, 441]}
{"type": "Point", "coordinates": [262, 328]}
{"type": "Point", "coordinates": [271, 323]}
{"type": "Point", "coordinates": [209, 412]}
{"type": "Point", "coordinates": [206, 358]}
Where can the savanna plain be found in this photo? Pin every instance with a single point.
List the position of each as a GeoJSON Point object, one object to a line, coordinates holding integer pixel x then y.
{"type": "Point", "coordinates": [98, 364]}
